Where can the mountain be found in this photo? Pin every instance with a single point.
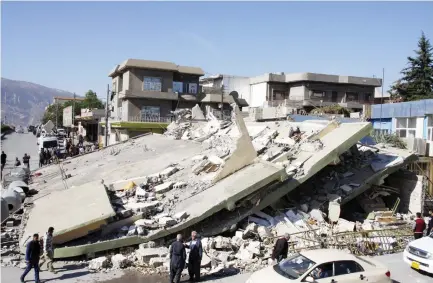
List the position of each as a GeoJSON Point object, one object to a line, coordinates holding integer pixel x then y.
{"type": "Point", "coordinates": [23, 103]}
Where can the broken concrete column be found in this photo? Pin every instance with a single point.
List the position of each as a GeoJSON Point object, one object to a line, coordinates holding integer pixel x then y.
{"type": "Point", "coordinates": [164, 187]}
{"type": "Point", "coordinates": [243, 155]}
{"type": "Point", "coordinates": [168, 172]}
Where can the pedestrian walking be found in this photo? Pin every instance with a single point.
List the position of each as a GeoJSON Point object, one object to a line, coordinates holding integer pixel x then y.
{"type": "Point", "coordinates": [33, 251]}
{"type": "Point", "coordinates": [195, 255]}
{"type": "Point", "coordinates": [17, 162]}
{"type": "Point", "coordinates": [3, 162]}
{"type": "Point", "coordinates": [430, 223]}
{"type": "Point", "coordinates": [26, 160]}
{"type": "Point", "coordinates": [281, 248]}
{"type": "Point", "coordinates": [48, 255]}
{"type": "Point", "coordinates": [419, 226]}
{"type": "Point", "coordinates": [177, 259]}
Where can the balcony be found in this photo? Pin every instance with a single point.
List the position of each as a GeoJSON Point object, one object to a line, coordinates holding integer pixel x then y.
{"type": "Point", "coordinates": [148, 94]}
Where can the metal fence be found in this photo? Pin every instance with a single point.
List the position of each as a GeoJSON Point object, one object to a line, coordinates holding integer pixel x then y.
{"type": "Point", "coordinates": [151, 118]}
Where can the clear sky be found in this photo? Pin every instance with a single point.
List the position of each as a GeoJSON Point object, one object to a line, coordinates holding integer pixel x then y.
{"type": "Point", "coordinates": [73, 45]}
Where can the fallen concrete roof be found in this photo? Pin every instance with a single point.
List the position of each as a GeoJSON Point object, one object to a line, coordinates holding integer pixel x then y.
{"type": "Point", "coordinates": [73, 213]}
{"type": "Point", "coordinates": [250, 180]}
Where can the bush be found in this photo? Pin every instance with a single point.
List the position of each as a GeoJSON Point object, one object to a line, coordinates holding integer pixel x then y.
{"type": "Point", "coordinates": [332, 109]}
{"type": "Point", "coordinates": [391, 139]}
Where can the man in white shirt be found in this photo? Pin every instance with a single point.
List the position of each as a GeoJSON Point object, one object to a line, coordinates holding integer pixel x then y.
{"type": "Point", "coordinates": [48, 255]}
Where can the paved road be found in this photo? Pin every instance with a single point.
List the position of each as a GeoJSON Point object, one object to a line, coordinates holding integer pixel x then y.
{"type": "Point", "coordinates": [15, 145]}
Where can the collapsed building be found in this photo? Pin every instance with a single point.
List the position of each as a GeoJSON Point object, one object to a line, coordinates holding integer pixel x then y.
{"type": "Point", "coordinates": [249, 181]}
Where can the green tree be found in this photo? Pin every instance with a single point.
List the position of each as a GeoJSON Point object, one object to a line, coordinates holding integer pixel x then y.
{"type": "Point", "coordinates": [417, 80]}
{"type": "Point", "coordinates": [91, 101]}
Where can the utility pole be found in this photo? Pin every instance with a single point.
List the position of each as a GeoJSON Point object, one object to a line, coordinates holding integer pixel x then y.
{"type": "Point", "coordinates": [106, 115]}
{"type": "Point", "coordinates": [57, 114]}
{"type": "Point", "coordinates": [73, 118]}
{"type": "Point", "coordinates": [222, 101]}
{"type": "Point", "coordinates": [381, 99]}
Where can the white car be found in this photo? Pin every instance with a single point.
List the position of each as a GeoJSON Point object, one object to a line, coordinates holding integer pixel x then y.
{"type": "Point", "coordinates": [325, 265]}
{"type": "Point", "coordinates": [419, 254]}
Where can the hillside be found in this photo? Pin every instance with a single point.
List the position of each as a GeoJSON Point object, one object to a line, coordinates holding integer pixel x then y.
{"type": "Point", "coordinates": [23, 103]}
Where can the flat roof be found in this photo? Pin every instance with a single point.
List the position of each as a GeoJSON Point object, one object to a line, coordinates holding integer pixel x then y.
{"type": "Point", "coordinates": [299, 77]}
{"type": "Point", "coordinates": [156, 65]}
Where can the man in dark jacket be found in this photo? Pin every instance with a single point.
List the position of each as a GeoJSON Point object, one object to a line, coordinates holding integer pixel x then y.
{"type": "Point", "coordinates": [418, 226]}
{"type": "Point", "coordinates": [41, 158]}
{"type": "Point", "coordinates": [17, 162]}
{"type": "Point", "coordinates": [33, 252]}
{"type": "Point", "coordinates": [430, 223]}
{"type": "Point", "coordinates": [3, 162]}
{"type": "Point", "coordinates": [26, 160]}
{"type": "Point", "coordinates": [177, 259]}
{"type": "Point", "coordinates": [195, 255]}
{"type": "Point", "coordinates": [281, 248]}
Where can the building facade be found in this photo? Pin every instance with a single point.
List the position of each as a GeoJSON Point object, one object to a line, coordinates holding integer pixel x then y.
{"type": "Point", "coordinates": [299, 90]}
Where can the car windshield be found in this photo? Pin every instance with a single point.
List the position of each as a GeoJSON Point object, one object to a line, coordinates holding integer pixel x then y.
{"type": "Point", "coordinates": [294, 266]}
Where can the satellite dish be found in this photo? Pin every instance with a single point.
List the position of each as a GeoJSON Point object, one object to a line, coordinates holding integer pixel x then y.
{"type": "Point", "coordinates": [235, 94]}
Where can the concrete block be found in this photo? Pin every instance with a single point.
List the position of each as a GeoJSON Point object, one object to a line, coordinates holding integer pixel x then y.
{"type": "Point", "coordinates": [334, 211]}
{"type": "Point", "coordinates": [163, 188]}
{"type": "Point", "coordinates": [98, 263]}
{"type": "Point", "coordinates": [250, 231]}
{"type": "Point", "coordinates": [154, 178]}
{"type": "Point", "coordinates": [119, 261]}
{"type": "Point", "coordinates": [144, 255]}
{"type": "Point", "coordinates": [346, 188]}
{"type": "Point", "coordinates": [317, 214]}
{"type": "Point", "coordinates": [222, 243]}
{"type": "Point", "coordinates": [264, 232]}
{"type": "Point", "coordinates": [216, 160]}
{"type": "Point", "coordinates": [10, 223]}
{"type": "Point", "coordinates": [142, 206]}
{"type": "Point", "coordinates": [166, 221]}
{"type": "Point", "coordinates": [199, 158]}
{"type": "Point", "coordinates": [236, 241]}
{"type": "Point", "coordinates": [254, 247]}
{"type": "Point", "coordinates": [180, 215]}
{"type": "Point", "coordinates": [196, 169]}
{"type": "Point", "coordinates": [244, 255]}
{"type": "Point", "coordinates": [141, 231]}
{"type": "Point", "coordinates": [285, 141]}
{"type": "Point", "coordinates": [239, 234]}
{"type": "Point", "coordinates": [144, 223]}
{"type": "Point", "coordinates": [168, 172]}
{"type": "Point", "coordinates": [141, 193]}
{"type": "Point", "coordinates": [157, 261]}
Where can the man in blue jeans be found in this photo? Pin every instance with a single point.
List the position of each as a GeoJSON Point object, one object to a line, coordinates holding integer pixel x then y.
{"type": "Point", "coordinates": [33, 253]}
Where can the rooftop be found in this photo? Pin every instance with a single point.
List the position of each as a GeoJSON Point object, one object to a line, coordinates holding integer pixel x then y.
{"type": "Point", "coordinates": [155, 65]}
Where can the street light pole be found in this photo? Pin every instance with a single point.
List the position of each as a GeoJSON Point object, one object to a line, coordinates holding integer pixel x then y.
{"type": "Point", "coordinates": [106, 115]}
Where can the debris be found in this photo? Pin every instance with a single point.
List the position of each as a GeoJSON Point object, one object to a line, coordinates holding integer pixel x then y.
{"type": "Point", "coordinates": [98, 263]}
{"type": "Point", "coordinates": [119, 261]}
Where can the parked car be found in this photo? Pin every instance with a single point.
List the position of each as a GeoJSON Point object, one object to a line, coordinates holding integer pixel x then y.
{"type": "Point", "coordinates": [419, 254]}
{"type": "Point", "coordinates": [324, 265]}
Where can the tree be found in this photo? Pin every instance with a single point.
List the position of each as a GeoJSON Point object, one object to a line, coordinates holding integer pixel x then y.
{"type": "Point", "coordinates": [91, 101]}
{"type": "Point", "coordinates": [417, 80]}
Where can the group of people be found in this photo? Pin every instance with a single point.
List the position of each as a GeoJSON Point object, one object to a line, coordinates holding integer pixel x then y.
{"type": "Point", "coordinates": [419, 226]}
{"type": "Point", "coordinates": [26, 161]}
{"type": "Point", "coordinates": [39, 251]}
{"type": "Point", "coordinates": [177, 255]}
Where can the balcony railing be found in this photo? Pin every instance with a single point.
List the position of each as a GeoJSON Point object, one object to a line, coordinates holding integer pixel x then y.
{"type": "Point", "coordinates": [150, 118]}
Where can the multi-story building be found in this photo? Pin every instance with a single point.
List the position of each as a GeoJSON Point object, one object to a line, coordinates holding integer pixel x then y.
{"type": "Point", "coordinates": [145, 92]}
{"type": "Point", "coordinates": [299, 90]}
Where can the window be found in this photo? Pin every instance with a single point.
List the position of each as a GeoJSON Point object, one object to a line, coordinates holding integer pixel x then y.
{"type": "Point", "coordinates": [192, 88]}
{"type": "Point", "coordinates": [406, 127]}
{"type": "Point", "coordinates": [351, 96]}
{"type": "Point", "coordinates": [152, 84]}
{"type": "Point", "coordinates": [150, 113]}
{"type": "Point", "coordinates": [430, 127]}
{"type": "Point", "coordinates": [120, 82]}
{"type": "Point", "coordinates": [178, 87]}
{"type": "Point", "coordinates": [368, 97]}
{"type": "Point", "coordinates": [317, 94]}
{"type": "Point", "coordinates": [294, 266]}
{"type": "Point", "coordinates": [345, 267]}
{"type": "Point", "coordinates": [324, 270]}
{"type": "Point", "coordinates": [334, 96]}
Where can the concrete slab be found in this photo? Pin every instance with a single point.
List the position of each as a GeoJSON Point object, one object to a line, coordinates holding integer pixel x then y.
{"type": "Point", "coordinates": [73, 213]}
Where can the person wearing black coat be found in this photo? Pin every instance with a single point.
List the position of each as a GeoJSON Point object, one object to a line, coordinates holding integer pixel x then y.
{"type": "Point", "coordinates": [177, 259]}
{"type": "Point", "coordinates": [195, 255]}
{"type": "Point", "coordinates": [33, 252]}
{"type": "Point", "coordinates": [430, 223]}
{"type": "Point", "coordinates": [281, 248]}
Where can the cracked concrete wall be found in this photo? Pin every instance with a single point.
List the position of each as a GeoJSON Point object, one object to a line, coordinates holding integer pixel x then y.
{"type": "Point", "coordinates": [244, 153]}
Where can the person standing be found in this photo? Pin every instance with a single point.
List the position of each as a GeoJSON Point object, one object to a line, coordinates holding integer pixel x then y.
{"type": "Point", "coordinates": [26, 160]}
{"type": "Point", "coordinates": [48, 255]}
{"type": "Point", "coordinates": [430, 223]}
{"type": "Point", "coordinates": [41, 158]}
{"type": "Point", "coordinates": [177, 259]}
{"type": "Point", "coordinates": [418, 226]}
{"type": "Point", "coordinates": [195, 255]}
{"type": "Point", "coordinates": [281, 248]}
{"type": "Point", "coordinates": [3, 161]}
{"type": "Point", "coordinates": [33, 251]}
